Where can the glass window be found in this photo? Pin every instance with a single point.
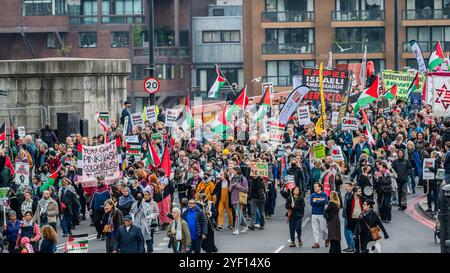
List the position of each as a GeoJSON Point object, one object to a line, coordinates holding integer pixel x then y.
{"type": "Point", "coordinates": [437, 34]}
{"type": "Point", "coordinates": [226, 36]}
{"type": "Point", "coordinates": [126, 7]}
{"type": "Point", "coordinates": [218, 12]}
{"type": "Point", "coordinates": [138, 71]}
{"type": "Point", "coordinates": [119, 39]}
{"type": "Point", "coordinates": [88, 39]}
{"type": "Point", "coordinates": [290, 36]}
{"type": "Point", "coordinates": [52, 40]}
{"type": "Point", "coordinates": [165, 71]}
{"type": "Point", "coordinates": [181, 71]}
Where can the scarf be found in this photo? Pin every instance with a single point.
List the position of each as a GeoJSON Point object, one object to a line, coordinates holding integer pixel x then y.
{"type": "Point", "coordinates": [27, 205]}
{"type": "Point", "coordinates": [26, 223]}
{"type": "Point", "coordinates": [176, 228]}
{"type": "Point", "coordinates": [43, 204]}
{"type": "Point", "coordinates": [125, 200]}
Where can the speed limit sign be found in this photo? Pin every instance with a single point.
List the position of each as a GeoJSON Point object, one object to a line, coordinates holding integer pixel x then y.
{"type": "Point", "coordinates": [152, 85]}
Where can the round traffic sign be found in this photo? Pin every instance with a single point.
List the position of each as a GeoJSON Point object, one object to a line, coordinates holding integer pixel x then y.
{"type": "Point", "coordinates": [152, 85]}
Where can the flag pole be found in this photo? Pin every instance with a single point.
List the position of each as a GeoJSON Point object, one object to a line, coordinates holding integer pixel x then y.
{"type": "Point", "coordinates": [220, 71]}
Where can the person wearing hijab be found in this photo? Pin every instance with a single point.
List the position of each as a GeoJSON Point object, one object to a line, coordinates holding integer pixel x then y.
{"type": "Point", "coordinates": [126, 201]}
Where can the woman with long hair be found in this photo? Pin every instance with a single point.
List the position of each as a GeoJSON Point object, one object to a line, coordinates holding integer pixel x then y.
{"type": "Point", "coordinates": [49, 239]}
{"type": "Point", "coordinates": [333, 222]}
{"type": "Point", "coordinates": [295, 205]}
{"type": "Point", "coordinates": [112, 219]}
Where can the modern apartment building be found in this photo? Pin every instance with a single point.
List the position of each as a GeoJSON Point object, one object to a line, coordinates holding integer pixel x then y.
{"type": "Point", "coordinates": [283, 36]}
{"type": "Point", "coordinates": [107, 29]}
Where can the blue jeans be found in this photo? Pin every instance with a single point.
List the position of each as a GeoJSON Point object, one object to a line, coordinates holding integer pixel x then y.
{"type": "Point", "coordinates": [348, 236]}
{"type": "Point", "coordinates": [66, 223]}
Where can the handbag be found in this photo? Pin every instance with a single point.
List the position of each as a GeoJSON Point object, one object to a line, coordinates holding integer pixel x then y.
{"type": "Point", "coordinates": [107, 229]}
{"type": "Point", "coordinates": [375, 232]}
{"type": "Point", "coordinates": [154, 223]}
{"type": "Point", "coordinates": [243, 198]}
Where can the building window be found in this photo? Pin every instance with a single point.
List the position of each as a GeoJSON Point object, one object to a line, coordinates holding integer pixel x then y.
{"type": "Point", "coordinates": [44, 7]}
{"type": "Point", "coordinates": [290, 36]}
{"type": "Point", "coordinates": [119, 39]}
{"type": "Point", "coordinates": [218, 12]}
{"type": "Point", "coordinates": [52, 40]}
{"type": "Point", "coordinates": [165, 71]}
{"type": "Point", "coordinates": [280, 72]}
{"type": "Point", "coordinates": [138, 72]}
{"type": "Point", "coordinates": [379, 64]}
{"type": "Point", "coordinates": [288, 5]}
{"type": "Point", "coordinates": [88, 39]}
{"type": "Point", "coordinates": [222, 36]}
{"type": "Point", "coordinates": [427, 37]}
{"type": "Point", "coordinates": [181, 71]}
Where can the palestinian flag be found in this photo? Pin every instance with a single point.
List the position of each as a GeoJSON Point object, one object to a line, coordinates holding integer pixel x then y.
{"type": "Point", "coordinates": [368, 96]}
{"type": "Point", "coordinates": [152, 159]}
{"type": "Point", "coordinates": [12, 140]}
{"type": "Point", "coordinates": [119, 145]}
{"type": "Point", "coordinates": [415, 86]}
{"type": "Point", "coordinates": [2, 135]}
{"type": "Point", "coordinates": [263, 105]}
{"type": "Point", "coordinates": [51, 180]}
{"type": "Point", "coordinates": [220, 81]}
{"type": "Point", "coordinates": [189, 117]}
{"type": "Point", "coordinates": [79, 159]}
{"type": "Point", "coordinates": [239, 103]}
{"type": "Point", "coordinates": [436, 57]}
{"type": "Point", "coordinates": [104, 126]}
{"type": "Point", "coordinates": [391, 94]}
{"type": "Point", "coordinates": [367, 128]}
{"type": "Point", "coordinates": [220, 125]}
{"type": "Point", "coordinates": [166, 163]}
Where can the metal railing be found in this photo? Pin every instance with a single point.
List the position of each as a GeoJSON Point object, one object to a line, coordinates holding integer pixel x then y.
{"type": "Point", "coordinates": [169, 51]}
{"type": "Point", "coordinates": [106, 19]}
{"type": "Point", "coordinates": [357, 15]}
{"type": "Point", "coordinates": [278, 80]}
{"type": "Point", "coordinates": [304, 48]}
{"type": "Point", "coordinates": [427, 46]}
{"type": "Point", "coordinates": [288, 16]}
{"type": "Point", "coordinates": [426, 14]}
{"type": "Point", "coordinates": [358, 47]}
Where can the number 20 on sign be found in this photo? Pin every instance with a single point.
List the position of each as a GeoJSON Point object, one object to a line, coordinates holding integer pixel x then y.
{"type": "Point", "coordinates": [152, 85]}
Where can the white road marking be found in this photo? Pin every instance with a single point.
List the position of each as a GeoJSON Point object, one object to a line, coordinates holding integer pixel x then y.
{"type": "Point", "coordinates": [162, 244]}
{"type": "Point", "coordinates": [166, 239]}
{"type": "Point", "coordinates": [305, 222]}
{"type": "Point", "coordinates": [279, 249]}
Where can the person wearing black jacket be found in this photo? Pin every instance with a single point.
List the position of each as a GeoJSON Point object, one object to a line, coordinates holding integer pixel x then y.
{"type": "Point", "coordinates": [129, 237]}
{"type": "Point", "coordinates": [257, 195]}
{"type": "Point", "coordinates": [432, 194]}
{"type": "Point", "coordinates": [382, 184]}
{"type": "Point", "coordinates": [367, 220]}
{"type": "Point", "coordinates": [297, 172]}
{"type": "Point", "coordinates": [295, 205]}
{"type": "Point", "coordinates": [364, 180]}
{"type": "Point", "coordinates": [403, 169]}
{"type": "Point", "coordinates": [333, 222]}
{"type": "Point", "coordinates": [384, 141]}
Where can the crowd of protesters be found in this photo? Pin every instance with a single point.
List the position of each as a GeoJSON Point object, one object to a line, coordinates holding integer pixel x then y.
{"type": "Point", "coordinates": [211, 178]}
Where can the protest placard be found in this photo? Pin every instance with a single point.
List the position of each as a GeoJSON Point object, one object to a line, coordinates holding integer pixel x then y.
{"type": "Point", "coordinates": [349, 123]}
{"type": "Point", "coordinates": [303, 115]}
{"type": "Point", "coordinates": [276, 134]}
{"type": "Point", "coordinates": [22, 174]}
{"type": "Point", "coordinates": [289, 182]}
{"type": "Point", "coordinates": [334, 118]}
{"type": "Point", "coordinates": [259, 169]}
{"type": "Point", "coordinates": [132, 139]}
{"type": "Point", "coordinates": [102, 160]}
{"type": "Point", "coordinates": [151, 114]}
{"type": "Point", "coordinates": [319, 151]}
{"type": "Point", "coordinates": [4, 194]}
{"type": "Point", "coordinates": [427, 164]}
{"type": "Point", "coordinates": [156, 136]}
{"type": "Point", "coordinates": [334, 84]}
{"type": "Point", "coordinates": [137, 120]}
{"type": "Point", "coordinates": [21, 131]}
{"type": "Point", "coordinates": [402, 79]}
{"type": "Point", "coordinates": [336, 153]}
{"type": "Point", "coordinates": [171, 118]}
{"type": "Point", "coordinates": [77, 246]}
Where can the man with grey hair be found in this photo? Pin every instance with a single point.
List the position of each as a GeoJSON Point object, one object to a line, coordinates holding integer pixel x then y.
{"type": "Point", "coordinates": [41, 157]}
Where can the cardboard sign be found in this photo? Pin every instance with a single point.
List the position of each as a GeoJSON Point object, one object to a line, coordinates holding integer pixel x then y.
{"type": "Point", "coordinates": [151, 114]}
{"type": "Point", "coordinates": [132, 139]}
{"type": "Point", "coordinates": [319, 151]}
{"type": "Point", "coordinates": [334, 84]}
{"type": "Point", "coordinates": [99, 160]}
{"type": "Point", "coordinates": [303, 115]}
{"type": "Point", "coordinates": [22, 174]}
{"type": "Point", "coordinates": [125, 125]}
{"type": "Point", "coordinates": [427, 164]}
{"type": "Point", "coordinates": [137, 120]}
{"type": "Point", "coordinates": [4, 194]}
{"type": "Point", "coordinates": [440, 174]}
{"type": "Point", "coordinates": [259, 169]}
{"type": "Point", "coordinates": [21, 131]}
{"type": "Point", "coordinates": [334, 118]}
{"type": "Point", "coordinates": [336, 153]}
{"type": "Point", "coordinates": [276, 134]}
{"type": "Point", "coordinates": [171, 118]}
{"type": "Point", "coordinates": [77, 246]}
{"type": "Point", "coordinates": [156, 136]}
{"type": "Point", "coordinates": [349, 123]}
{"type": "Point", "coordinates": [415, 100]}
{"type": "Point", "coordinates": [134, 150]}
{"type": "Point", "coordinates": [289, 182]}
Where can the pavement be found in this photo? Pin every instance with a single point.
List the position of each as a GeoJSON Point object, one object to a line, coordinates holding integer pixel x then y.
{"type": "Point", "coordinates": [410, 232]}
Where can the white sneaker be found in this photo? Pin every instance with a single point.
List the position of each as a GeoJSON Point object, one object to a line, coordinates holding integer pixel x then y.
{"type": "Point", "coordinates": [244, 230]}
{"type": "Point", "coordinates": [257, 225]}
{"type": "Point", "coordinates": [236, 232]}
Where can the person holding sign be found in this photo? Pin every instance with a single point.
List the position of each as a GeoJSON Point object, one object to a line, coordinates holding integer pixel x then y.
{"type": "Point", "coordinates": [432, 188]}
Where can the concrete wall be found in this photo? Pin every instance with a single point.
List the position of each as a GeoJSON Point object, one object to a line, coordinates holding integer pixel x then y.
{"type": "Point", "coordinates": [91, 85]}
{"type": "Point", "coordinates": [216, 52]}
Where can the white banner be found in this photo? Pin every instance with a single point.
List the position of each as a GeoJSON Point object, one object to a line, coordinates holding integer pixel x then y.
{"type": "Point", "coordinates": [151, 114]}
{"type": "Point", "coordinates": [22, 174]}
{"type": "Point", "coordinates": [132, 139]}
{"type": "Point", "coordinates": [334, 118]}
{"type": "Point", "coordinates": [415, 48]}
{"type": "Point", "coordinates": [427, 164]}
{"type": "Point", "coordinates": [441, 94]}
{"type": "Point", "coordinates": [349, 123]}
{"type": "Point", "coordinates": [77, 246]}
{"type": "Point", "coordinates": [102, 160]}
{"type": "Point", "coordinates": [303, 115]}
{"type": "Point", "coordinates": [276, 134]}
{"type": "Point", "coordinates": [21, 131]}
{"type": "Point", "coordinates": [125, 125]}
{"type": "Point", "coordinates": [171, 118]}
{"type": "Point", "coordinates": [137, 120]}
{"type": "Point", "coordinates": [292, 102]}
{"type": "Point", "coordinates": [336, 153]}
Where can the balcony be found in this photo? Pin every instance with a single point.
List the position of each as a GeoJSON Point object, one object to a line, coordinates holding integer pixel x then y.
{"type": "Point", "coordinates": [426, 46]}
{"type": "Point", "coordinates": [358, 47]}
{"type": "Point", "coordinates": [278, 80]}
{"type": "Point", "coordinates": [304, 48]}
{"type": "Point", "coordinates": [357, 15]}
{"type": "Point", "coordinates": [108, 19]}
{"type": "Point", "coordinates": [426, 17]}
{"type": "Point", "coordinates": [168, 52]}
{"type": "Point", "coordinates": [290, 16]}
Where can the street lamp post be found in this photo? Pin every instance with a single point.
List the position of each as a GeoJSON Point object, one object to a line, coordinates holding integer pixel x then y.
{"type": "Point", "coordinates": [151, 45]}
